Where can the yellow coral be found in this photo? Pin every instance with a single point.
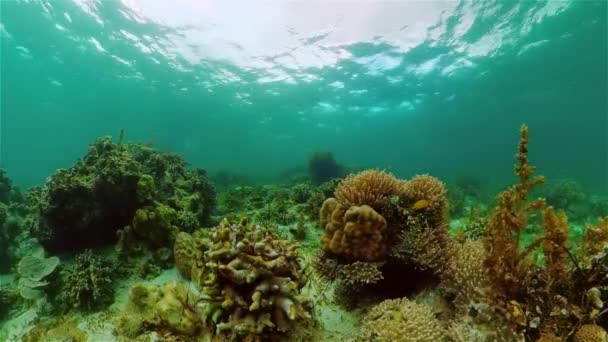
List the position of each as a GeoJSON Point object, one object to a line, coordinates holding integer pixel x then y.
{"type": "Point", "coordinates": [401, 320]}
{"type": "Point", "coordinates": [591, 333]}
{"type": "Point", "coordinates": [355, 234]}
{"type": "Point", "coordinates": [151, 307]}
{"type": "Point", "coordinates": [369, 187]}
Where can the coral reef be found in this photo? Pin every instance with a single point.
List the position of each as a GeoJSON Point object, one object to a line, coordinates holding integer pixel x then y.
{"type": "Point", "coordinates": [250, 283]}
{"type": "Point", "coordinates": [87, 284]}
{"type": "Point", "coordinates": [322, 167]}
{"type": "Point", "coordinates": [90, 201]}
{"type": "Point", "coordinates": [375, 217]}
{"type": "Point", "coordinates": [401, 320]}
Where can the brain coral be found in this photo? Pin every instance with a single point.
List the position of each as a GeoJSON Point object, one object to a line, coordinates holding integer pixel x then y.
{"type": "Point", "coordinates": [401, 320]}
{"type": "Point", "coordinates": [355, 234]}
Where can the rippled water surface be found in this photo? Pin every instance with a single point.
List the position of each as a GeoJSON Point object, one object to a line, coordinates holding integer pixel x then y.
{"type": "Point", "coordinates": [255, 87]}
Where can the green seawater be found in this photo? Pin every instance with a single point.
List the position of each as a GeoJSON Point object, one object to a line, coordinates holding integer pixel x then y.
{"type": "Point", "coordinates": [257, 87]}
{"type": "Point", "coordinates": [205, 214]}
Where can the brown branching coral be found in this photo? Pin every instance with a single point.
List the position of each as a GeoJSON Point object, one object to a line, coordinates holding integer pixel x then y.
{"type": "Point", "coordinates": [540, 301]}
{"type": "Point", "coordinates": [505, 261]}
{"type": "Point", "coordinates": [401, 320]}
{"type": "Point", "coordinates": [371, 187]}
{"type": "Point", "coordinates": [595, 239]}
{"type": "Point", "coordinates": [554, 244]}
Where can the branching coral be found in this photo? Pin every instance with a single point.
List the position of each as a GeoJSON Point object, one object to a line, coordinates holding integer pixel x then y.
{"type": "Point", "coordinates": [595, 239]}
{"type": "Point", "coordinates": [87, 285]}
{"type": "Point", "coordinates": [537, 301]}
{"type": "Point", "coordinates": [505, 261]}
{"type": "Point", "coordinates": [401, 320]}
{"type": "Point", "coordinates": [554, 243]}
{"type": "Point", "coordinates": [250, 281]}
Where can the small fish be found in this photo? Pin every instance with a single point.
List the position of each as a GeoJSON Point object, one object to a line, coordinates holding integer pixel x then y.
{"type": "Point", "coordinates": [420, 204]}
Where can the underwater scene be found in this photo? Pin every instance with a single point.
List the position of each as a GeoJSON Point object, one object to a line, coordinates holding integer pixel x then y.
{"type": "Point", "coordinates": [372, 171]}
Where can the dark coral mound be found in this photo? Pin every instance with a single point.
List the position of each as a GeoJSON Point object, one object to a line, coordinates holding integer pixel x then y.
{"type": "Point", "coordinates": [322, 167]}
{"type": "Point", "coordinates": [85, 205]}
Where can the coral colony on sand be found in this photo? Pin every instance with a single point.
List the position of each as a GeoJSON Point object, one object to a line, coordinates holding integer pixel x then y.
{"type": "Point", "coordinates": [292, 262]}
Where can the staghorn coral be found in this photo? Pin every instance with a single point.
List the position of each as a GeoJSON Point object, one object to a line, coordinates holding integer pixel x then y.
{"type": "Point", "coordinates": [401, 320]}
{"type": "Point", "coordinates": [250, 282]}
{"type": "Point", "coordinates": [355, 234]}
{"type": "Point", "coordinates": [87, 285]}
{"type": "Point", "coordinates": [370, 187]}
